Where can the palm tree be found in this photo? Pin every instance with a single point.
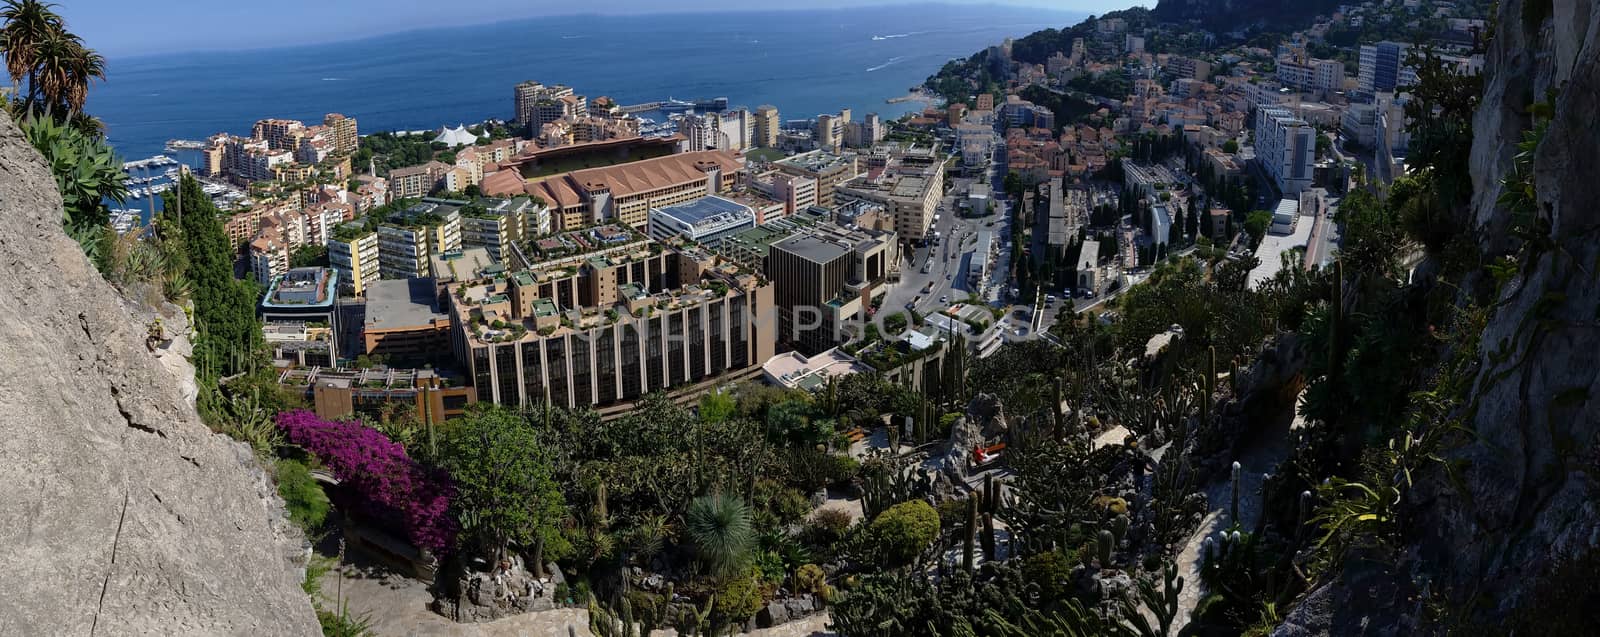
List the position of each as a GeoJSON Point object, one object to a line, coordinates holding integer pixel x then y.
{"type": "Point", "coordinates": [26, 24]}
{"type": "Point", "coordinates": [54, 62]}
{"type": "Point", "coordinates": [719, 527]}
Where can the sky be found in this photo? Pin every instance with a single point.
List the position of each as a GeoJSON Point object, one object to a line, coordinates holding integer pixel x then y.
{"type": "Point", "coordinates": [123, 28]}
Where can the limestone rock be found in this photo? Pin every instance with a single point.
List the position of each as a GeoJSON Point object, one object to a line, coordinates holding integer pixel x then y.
{"type": "Point", "coordinates": [123, 513]}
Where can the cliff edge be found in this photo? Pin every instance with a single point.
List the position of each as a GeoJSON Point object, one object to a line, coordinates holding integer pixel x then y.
{"type": "Point", "coordinates": [123, 513]}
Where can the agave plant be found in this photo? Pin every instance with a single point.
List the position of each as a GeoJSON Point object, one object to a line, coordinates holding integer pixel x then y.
{"type": "Point", "coordinates": [88, 173]}
{"type": "Point", "coordinates": [719, 527]}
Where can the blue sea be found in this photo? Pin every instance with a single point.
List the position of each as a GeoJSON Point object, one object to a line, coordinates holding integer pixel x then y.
{"type": "Point", "coordinates": [805, 62]}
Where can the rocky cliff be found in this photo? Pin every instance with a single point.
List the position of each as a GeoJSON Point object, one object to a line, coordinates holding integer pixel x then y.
{"type": "Point", "coordinates": [1526, 499]}
{"type": "Point", "coordinates": [1522, 497]}
{"type": "Point", "coordinates": [123, 514]}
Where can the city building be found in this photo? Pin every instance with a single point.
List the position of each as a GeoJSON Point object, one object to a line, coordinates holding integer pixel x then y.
{"type": "Point", "coordinates": [300, 316]}
{"type": "Point", "coordinates": [342, 130]}
{"type": "Point", "coordinates": [1160, 225]}
{"type": "Point", "coordinates": [909, 192]}
{"type": "Point", "coordinates": [537, 104]}
{"type": "Point", "coordinates": [496, 224]}
{"type": "Point", "coordinates": [406, 322]}
{"type": "Point", "coordinates": [353, 255]}
{"type": "Point", "coordinates": [417, 181]}
{"type": "Point", "coordinates": [706, 220]}
{"type": "Point", "coordinates": [626, 192]}
{"type": "Point", "coordinates": [337, 392]}
{"type": "Point", "coordinates": [1089, 266]}
{"type": "Point", "coordinates": [1312, 75]}
{"type": "Point", "coordinates": [269, 258]}
{"type": "Point", "coordinates": [793, 370]}
{"type": "Point", "coordinates": [1383, 67]}
{"type": "Point", "coordinates": [407, 238]}
{"type": "Point", "coordinates": [279, 134]}
{"type": "Point", "coordinates": [767, 126]}
{"type": "Point", "coordinates": [1286, 149]}
{"type": "Point", "coordinates": [652, 318]}
{"type": "Point", "coordinates": [727, 130]}
{"type": "Point", "coordinates": [825, 278]}
{"type": "Point", "coordinates": [827, 169]}
{"type": "Point", "coordinates": [983, 255]}
{"type": "Point", "coordinates": [795, 192]}
{"type": "Point", "coordinates": [1185, 67]}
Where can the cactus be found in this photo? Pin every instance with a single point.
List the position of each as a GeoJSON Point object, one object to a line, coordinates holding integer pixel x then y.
{"type": "Point", "coordinates": [968, 560]}
{"type": "Point", "coordinates": [1103, 546]}
{"type": "Point", "coordinates": [1162, 603]}
{"type": "Point", "coordinates": [600, 501]}
{"type": "Point", "coordinates": [1233, 507]}
{"type": "Point", "coordinates": [1208, 387]}
{"type": "Point", "coordinates": [1119, 528]}
{"type": "Point", "coordinates": [629, 629]}
{"type": "Point", "coordinates": [988, 537]}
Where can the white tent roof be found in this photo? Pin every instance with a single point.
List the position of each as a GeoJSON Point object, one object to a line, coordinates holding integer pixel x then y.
{"type": "Point", "coordinates": [457, 136]}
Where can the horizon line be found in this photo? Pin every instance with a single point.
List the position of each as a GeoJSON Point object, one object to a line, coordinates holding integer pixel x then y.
{"type": "Point", "coordinates": [528, 18]}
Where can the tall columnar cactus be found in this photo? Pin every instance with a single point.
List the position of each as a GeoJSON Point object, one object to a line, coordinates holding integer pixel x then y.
{"type": "Point", "coordinates": [989, 544]}
{"type": "Point", "coordinates": [600, 509]}
{"type": "Point", "coordinates": [1162, 603]}
{"type": "Point", "coordinates": [1119, 528]}
{"type": "Point", "coordinates": [1208, 387]}
{"type": "Point", "coordinates": [968, 560]}
{"type": "Point", "coordinates": [1103, 546]}
{"type": "Point", "coordinates": [1233, 506]}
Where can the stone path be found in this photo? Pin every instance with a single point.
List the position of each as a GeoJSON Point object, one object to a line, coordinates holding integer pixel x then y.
{"type": "Point", "coordinates": [1256, 461]}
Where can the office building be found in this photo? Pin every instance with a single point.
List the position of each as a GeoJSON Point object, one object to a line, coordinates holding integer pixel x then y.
{"type": "Point", "coordinates": [767, 126]}
{"type": "Point", "coordinates": [706, 220]}
{"type": "Point", "coordinates": [1286, 147]}
{"type": "Point", "coordinates": [353, 254]}
{"type": "Point", "coordinates": [651, 318]}
{"type": "Point", "coordinates": [826, 276]}
{"type": "Point", "coordinates": [827, 169]}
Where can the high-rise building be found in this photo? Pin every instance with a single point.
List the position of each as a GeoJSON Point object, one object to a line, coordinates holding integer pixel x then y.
{"type": "Point", "coordinates": [537, 104]}
{"type": "Point", "coordinates": [1312, 75]}
{"type": "Point", "coordinates": [1286, 147]}
{"type": "Point", "coordinates": [353, 253]}
{"type": "Point", "coordinates": [1383, 66]}
{"type": "Point", "coordinates": [826, 132]}
{"type": "Point", "coordinates": [342, 131]}
{"type": "Point", "coordinates": [766, 127]}
{"type": "Point", "coordinates": [408, 239]}
{"type": "Point", "coordinates": [280, 134]}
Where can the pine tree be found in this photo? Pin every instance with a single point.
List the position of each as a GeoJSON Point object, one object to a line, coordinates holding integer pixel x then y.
{"type": "Point", "coordinates": [224, 306]}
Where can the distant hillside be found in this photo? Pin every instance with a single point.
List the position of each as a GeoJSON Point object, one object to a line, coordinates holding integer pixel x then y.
{"type": "Point", "coordinates": [1228, 15]}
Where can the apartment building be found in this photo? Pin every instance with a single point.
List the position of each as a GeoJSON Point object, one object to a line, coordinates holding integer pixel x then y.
{"type": "Point", "coordinates": [279, 134]}
{"type": "Point", "coordinates": [728, 130]}
{"type": "Point", "coordinates": [794, 191]}
{"type": "Point", "coordinates": [417, 181]}
{"type": "Point", "coordinates": [766, 126]}
{"type": "Point", "coordinates": [827, 169]}
{"type": "Point", "coordinates": [1312, 75]}
{"type": "Point", "coordinates": [353, 254]}
{"type": "Point", "coordinates": [496, 224]}
{"type": "Point", "coordinates": [1286, 147]}
{"type": "Point", "coordinates": [628, 334]}
{"type": "Point", "coordinates": [342, 130]}
{"type": "Point", "coordinates": [537, 104]}
{"type": "Point", "coordinates": [909, 192]}
{"type": "Point", "coordinates": [409, 237]}
{"type": "Point", "coordinates": [269, 259]}
{"type": "Point", "coordinates": [1185, 67]}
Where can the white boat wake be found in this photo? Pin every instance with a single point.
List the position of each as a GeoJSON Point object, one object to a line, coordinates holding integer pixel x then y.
{"type": "Point", "coordinates": [892, 61]}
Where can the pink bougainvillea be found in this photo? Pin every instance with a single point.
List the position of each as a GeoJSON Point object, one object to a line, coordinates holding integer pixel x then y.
{"type": "Point", "coordinates": [378, 471]}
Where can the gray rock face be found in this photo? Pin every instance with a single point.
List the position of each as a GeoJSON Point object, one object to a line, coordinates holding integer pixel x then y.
{"type": "Point", "coordinates": [123, 513]}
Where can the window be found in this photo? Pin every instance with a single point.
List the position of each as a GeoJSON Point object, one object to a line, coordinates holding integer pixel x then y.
{"type": "Point", "coordinates": [556, 360]}
{"type": "Point", "coordinates": [606, 365]}
{"type": "Point", "coordinates": [532, 373]}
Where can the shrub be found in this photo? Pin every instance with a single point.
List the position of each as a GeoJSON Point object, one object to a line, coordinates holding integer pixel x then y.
{"type": "Point", "coordinates": [901, 533]}
{"type": "Point", "coordinates": [380, 473]}
{"type": "Point", "coordinates": [302, 496]}
{"type": "Point", "coordinates": [809, 578]}
{"type": "Point", "coordinates": [829, 525]}
{"type": "Point", "coordinates": [740, 597]}
{"type": "Point", "coordinates": [719, 527]}
{"type": "Point", "coordinates": [1049, 571]}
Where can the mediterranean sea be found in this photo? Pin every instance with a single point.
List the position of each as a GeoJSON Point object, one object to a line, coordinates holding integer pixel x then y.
{"type": "Point", "coordinates": [805, 62]}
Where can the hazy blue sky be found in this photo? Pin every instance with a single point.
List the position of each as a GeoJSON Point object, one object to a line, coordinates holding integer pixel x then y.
{"type": "Point", "coordinates": [122, 27]}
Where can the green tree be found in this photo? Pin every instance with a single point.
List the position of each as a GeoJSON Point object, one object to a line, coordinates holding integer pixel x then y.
{"type": "Point", "coordinates": [309, 255]}
{"type": "Point", "coordinates": [1256, 225]}
{"type": "Point", "coordinates": [49, 66]}
{"type": "Point", "coordinates": [302, 496]}
{"type": "Point", "coordinates": [1230, 147]}
{"type": "Point", "coordinates": [899, 534]}
{"type": "Point", "coordinates": [504, 491]}
{"type": "Point", "coordinates": [719, 527]}
{"type": "Point", "coordinates": [224, 306]}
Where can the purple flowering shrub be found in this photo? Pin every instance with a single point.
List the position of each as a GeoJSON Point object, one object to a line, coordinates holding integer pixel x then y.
{"type": "Point", "coordinates": [378, 471]}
